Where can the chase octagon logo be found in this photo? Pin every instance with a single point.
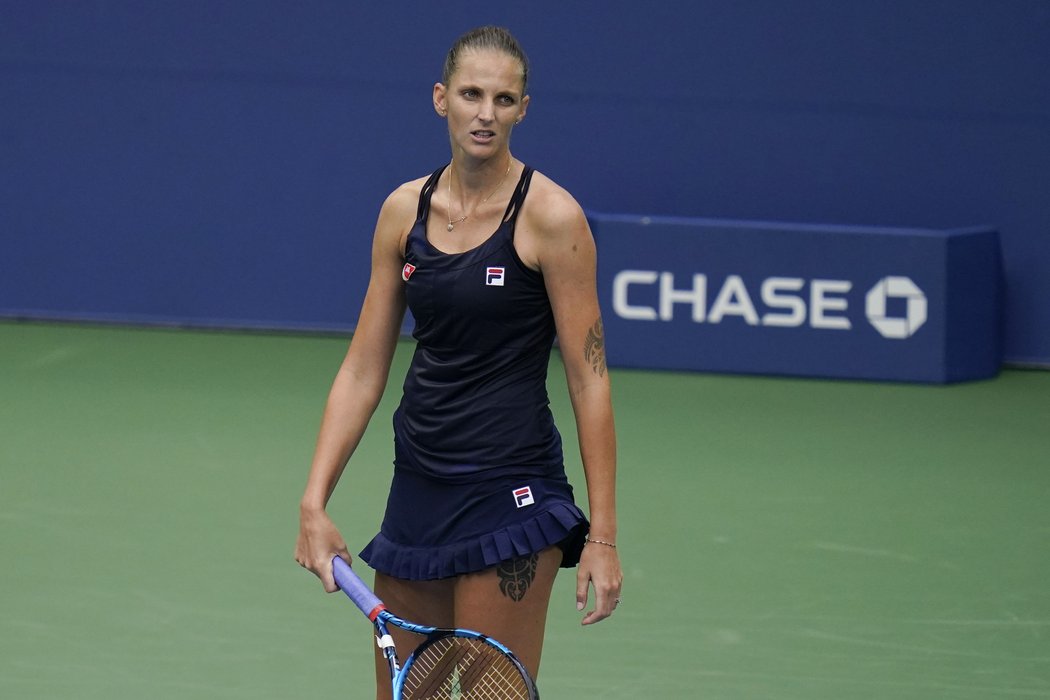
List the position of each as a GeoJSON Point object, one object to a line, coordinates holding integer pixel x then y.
{"type": "Point", "coordinates": [896, 288]}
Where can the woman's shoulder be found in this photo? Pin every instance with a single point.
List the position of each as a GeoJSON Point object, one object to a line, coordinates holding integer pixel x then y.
{"type": "Point", "coordinates": [549, 206]}
{"type": "Point", "coordinates": [405, 197]}
{"type": "Point", "coordinates": [400, 206]}
{"type": "Point", "coordinates": [552, 225]}
{"type": "Point", "coordinates": [398, 213]}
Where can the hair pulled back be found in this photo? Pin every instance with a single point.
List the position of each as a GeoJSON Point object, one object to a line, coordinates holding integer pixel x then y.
{"type": "Point", "coordinates": [490, 38]}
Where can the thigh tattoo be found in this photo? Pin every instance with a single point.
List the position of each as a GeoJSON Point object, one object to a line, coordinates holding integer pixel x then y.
{"type": "Point", "coordinates": [516, 575]}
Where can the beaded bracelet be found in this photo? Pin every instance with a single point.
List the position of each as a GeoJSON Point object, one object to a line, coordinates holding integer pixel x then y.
{"type": "Point", "coordinates": [587, 539]}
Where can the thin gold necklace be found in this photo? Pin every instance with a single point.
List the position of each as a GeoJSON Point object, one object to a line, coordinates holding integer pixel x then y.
{"type": "Point", "coordinates": [451, 223]}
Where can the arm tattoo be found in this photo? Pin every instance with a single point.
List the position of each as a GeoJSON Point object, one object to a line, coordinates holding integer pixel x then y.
{"type": "Point", "coordinates": [594, 348]}
{"type": "Point", "coordinates": [516, 575]}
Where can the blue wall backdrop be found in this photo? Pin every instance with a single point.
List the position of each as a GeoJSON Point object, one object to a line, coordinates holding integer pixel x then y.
{"type": "Point", "coordinates": [223, 162]}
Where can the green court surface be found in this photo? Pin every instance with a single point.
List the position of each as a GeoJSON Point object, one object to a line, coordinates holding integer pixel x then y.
{"type": "Point", "coordinates": [781, 538]}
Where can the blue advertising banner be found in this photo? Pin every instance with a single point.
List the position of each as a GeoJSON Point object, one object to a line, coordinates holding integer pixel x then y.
{"type": "Point", "coordinates": [823, 301]}
{"type": "Point", "coordinates": [223, 164]}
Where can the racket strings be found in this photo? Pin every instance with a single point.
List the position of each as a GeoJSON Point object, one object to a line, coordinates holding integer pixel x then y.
{"type": "Point", "coordinates": [458, 668]}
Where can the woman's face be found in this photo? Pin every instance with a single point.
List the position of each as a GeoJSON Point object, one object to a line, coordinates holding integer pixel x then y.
{"type": "Point", "coordinates": [482, 102]}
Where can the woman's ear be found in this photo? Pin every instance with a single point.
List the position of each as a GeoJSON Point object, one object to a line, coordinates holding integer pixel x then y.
{"type": "Point", "coordinates": [524, 108]}
{"type": "Point", "coordinates": [440, 103]}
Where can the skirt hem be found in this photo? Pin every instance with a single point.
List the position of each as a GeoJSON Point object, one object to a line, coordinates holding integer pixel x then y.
{"type": "Point", "coordinates": [564, 524]}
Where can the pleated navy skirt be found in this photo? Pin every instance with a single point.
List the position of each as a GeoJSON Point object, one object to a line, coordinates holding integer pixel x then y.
{"type": "Point", "coordinates": [435, 529]}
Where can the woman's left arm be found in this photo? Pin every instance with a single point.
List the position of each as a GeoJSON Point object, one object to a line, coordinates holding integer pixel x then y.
{"type": "Point", "coordinates": [562, 246]}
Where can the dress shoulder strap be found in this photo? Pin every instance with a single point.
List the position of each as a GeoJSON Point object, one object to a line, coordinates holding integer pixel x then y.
{"type": "Point", "coordinates": [519, 195]}
{"type": "Point", "coordinates": [427, 192]}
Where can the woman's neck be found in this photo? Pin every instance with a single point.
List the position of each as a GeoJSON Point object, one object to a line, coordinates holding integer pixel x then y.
{"type": "Point", "coordinates": [474, 179]}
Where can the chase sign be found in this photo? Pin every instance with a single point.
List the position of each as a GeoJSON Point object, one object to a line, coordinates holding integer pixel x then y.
{"type": "Point", "coordinates": [765, 298]}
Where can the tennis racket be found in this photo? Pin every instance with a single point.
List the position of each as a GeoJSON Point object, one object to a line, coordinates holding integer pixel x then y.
{"type": "Point", "coordinates": [452, 664]}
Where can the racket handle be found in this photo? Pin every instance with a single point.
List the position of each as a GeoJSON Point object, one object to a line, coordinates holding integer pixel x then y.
{"type": "Point", "coordinates": [356, 589]}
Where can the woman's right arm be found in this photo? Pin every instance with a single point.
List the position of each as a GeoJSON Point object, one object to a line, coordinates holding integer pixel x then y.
{"type": "Point", "coordinates": [357, 387]}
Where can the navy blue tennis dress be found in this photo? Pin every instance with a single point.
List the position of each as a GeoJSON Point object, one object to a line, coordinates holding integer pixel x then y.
{"type": "Point", "coordinates": [479, 476]}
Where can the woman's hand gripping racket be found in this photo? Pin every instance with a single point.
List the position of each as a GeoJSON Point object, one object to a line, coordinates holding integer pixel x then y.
{"type": "Point", "coordinates": [451, 664]}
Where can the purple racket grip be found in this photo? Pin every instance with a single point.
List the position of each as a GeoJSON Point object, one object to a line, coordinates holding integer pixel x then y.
{"type": "Point", "coordinates": [355, 589]}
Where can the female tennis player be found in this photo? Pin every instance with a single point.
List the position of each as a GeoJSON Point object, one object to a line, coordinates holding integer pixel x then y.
{"type": "Point", "coordinates": [493, 259]}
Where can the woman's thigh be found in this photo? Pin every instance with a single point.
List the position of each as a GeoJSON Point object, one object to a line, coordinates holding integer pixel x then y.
{"type": "Point", "coordinates": [425, 602]}
{"type": "Point", "coordinates": [509, 603]}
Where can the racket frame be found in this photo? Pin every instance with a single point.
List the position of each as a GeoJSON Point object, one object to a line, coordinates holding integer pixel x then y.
{"type": "Point", "coordinates": [374, 609]}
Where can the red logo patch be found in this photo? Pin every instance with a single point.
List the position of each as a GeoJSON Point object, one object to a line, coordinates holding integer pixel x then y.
{"type": "Point", "coordinates": [407, 271]}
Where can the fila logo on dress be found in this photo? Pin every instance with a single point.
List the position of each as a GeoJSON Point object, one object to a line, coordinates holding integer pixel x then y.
{"type": "Point", "coordinates": [523, 496]}
{"type": "Point", "coordinates": [494, 276]}
{"type": "Point", "coordinates": [407, 271]}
